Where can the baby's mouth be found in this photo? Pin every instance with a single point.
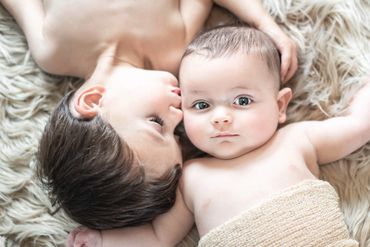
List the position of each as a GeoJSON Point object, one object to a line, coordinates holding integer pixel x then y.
{"type": "Point", "coordinates": [224, 135]}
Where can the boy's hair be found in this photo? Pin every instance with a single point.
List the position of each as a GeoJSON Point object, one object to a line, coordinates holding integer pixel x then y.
{"type": "Point", "coordinates": [225, 41]}
{"type": "Point", "coordinates": [93, 175]}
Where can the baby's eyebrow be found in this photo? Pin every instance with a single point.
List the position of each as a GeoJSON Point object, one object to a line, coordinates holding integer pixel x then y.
{"type": "Point", "coordinates": [195, 91]}
{"type": "Point", "coordinates": [240, 87]}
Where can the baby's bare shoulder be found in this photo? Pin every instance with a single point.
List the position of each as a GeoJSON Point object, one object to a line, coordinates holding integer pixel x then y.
{"type": "Point", "coordinates": [194, 165]}
{"type": "Point", "coordinates": [195, 169]}
{"type": "Point", "coordinates": [294, 134]}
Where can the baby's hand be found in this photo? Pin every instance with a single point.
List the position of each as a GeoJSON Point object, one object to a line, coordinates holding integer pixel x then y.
{"type": "Point", "coordinates": [84, 237]}
{"type": "Point", "coordinates": [285, 45]}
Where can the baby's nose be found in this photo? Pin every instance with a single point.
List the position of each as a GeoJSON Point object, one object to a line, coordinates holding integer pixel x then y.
{"type": "Point", "coordinates": [224, 119]}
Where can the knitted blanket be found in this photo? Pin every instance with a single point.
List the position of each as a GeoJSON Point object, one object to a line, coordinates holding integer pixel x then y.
{"type": "Point", "coordinates": [306, 214]}
{"type": "Point", "coordinates": [333, 38]}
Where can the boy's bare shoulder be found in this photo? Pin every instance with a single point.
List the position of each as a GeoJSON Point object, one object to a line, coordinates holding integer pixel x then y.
{"type": "Point", "coordinates": [194, 14]}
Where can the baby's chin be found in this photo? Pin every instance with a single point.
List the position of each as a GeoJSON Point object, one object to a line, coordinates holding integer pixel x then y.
{"type": "Point", "coordinates": [225, 155]}
{"type": "Point", "coordinates": [228, 152]}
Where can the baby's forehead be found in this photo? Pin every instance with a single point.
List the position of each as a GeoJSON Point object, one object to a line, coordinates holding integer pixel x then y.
{"type": "Point", "coordinates": [223, 75]}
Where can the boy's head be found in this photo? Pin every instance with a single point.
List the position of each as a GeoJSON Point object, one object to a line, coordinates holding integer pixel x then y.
{"type": "Point", "coordinates": [109, 155]}
{"type": "Point", "coordinates": [229, 79]}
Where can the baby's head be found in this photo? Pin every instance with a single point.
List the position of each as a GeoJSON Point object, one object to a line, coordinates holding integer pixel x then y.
{"type": "Point", "coordinates": [108, 155]}
{"type": "Point", "coordinates": [230, 79]}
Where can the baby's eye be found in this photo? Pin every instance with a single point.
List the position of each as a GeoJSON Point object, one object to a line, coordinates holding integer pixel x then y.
{"type": "Point", "coordinates": [242, 101]}
{"type": "Point", "coordinates": [201, 105]}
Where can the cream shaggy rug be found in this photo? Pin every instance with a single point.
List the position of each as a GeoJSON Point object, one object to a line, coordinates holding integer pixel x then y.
{"type": "Point", "coordinates": [334, 45]}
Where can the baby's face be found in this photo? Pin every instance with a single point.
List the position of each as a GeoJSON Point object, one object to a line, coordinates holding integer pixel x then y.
{"type": "Point", "coordinates": [229, 103]}
{"type": "Point", "coordinates": [144, 110]}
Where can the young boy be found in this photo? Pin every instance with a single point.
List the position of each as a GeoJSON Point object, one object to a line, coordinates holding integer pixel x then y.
{"type": "Point", "coordinates": [111, 144]}
{"type": "Point", "coordinates": [232, 107]}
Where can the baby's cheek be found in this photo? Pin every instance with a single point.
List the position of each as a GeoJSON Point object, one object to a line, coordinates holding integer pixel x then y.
{"type": "Point", "coordinates": [194, 128]}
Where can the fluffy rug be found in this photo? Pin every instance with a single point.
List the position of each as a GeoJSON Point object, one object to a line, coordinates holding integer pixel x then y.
{"type": "Point", "coordinates": [334, 56]}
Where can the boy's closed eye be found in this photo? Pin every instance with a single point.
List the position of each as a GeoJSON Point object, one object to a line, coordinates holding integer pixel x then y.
{"type": "Point", "coordinates": [157, 122]}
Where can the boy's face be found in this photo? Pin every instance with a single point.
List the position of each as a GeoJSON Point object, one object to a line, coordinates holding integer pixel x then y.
{"type": "Point", "coordinates": [230, 103]}
{"type": "Point", "coordinates": [144, 110]}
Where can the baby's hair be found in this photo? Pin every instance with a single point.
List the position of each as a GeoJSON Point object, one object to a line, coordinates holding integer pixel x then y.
{"type": "Point", "coordinates": [93, 175]}
{"type": "Point", "coordinates": [225, 41]}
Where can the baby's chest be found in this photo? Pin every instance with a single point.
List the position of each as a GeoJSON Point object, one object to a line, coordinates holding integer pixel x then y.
{"type": "Point", "coordinates": [227, 194]}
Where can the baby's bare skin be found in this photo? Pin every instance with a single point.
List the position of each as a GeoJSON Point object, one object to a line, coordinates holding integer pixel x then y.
{"type": "Point", "coordinates": [232, 186]}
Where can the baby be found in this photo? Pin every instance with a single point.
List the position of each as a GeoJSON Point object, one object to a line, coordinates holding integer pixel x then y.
{"type": "Point", "coordinates": [109, 155]}
{"type": "Point", "coordinates": [233, 106]}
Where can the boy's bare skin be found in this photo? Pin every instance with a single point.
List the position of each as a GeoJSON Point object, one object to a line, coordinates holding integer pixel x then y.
{"type": "Point", "coordinates": [79, 38]}
{"type": "Point", "coordinates": [250, 160]}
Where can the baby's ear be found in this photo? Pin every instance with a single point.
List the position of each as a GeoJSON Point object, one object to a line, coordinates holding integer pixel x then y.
{"type": "Point", "coordinates": [87, 101]}
{"type": "Point", "coordinates": [283, 99]}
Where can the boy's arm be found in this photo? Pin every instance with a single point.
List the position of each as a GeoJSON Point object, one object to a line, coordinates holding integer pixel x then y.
{"type": "Point", "coordinates": [337, 137]}
{"type": "Point", "coordinates": [253, 12]}
{"type": "Point", "coordinates": [166, 230]}
{"type": "Point", "coordinates": [30, 16]}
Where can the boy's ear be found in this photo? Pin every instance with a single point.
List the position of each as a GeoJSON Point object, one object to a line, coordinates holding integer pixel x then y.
{"type": "Point", "coordinates": [88, 100]}
{"type": "Point", "coordinates": [283, 99]}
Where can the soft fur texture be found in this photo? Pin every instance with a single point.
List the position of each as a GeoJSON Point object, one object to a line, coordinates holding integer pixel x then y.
{"type": "Point", "coordinates": [334, 56]}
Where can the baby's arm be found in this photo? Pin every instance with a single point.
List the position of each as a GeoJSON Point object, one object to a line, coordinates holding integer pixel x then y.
{"type": "Point", "coordinates": [166, 230]}
{"type": "Point", "coordinates": [252, 12]}
{"type": "Point", "coordinates": [337, 137]}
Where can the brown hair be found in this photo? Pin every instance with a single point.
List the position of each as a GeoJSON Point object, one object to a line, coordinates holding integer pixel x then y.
{"type": "Point", "coordinates": [91, 173]}
{"type": "Point", "coordinates": [228, 40]}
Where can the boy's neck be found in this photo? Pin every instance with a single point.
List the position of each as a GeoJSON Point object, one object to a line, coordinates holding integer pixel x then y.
{"type": "Point", "coordinates": [107, 61]}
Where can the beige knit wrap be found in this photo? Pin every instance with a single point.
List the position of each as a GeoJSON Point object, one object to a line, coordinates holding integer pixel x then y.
{"type": "Point", "coordinates": [306, 214]}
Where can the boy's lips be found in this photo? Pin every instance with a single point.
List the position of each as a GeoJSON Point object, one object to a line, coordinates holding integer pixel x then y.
{"type": "Point", "coordinates": [177, 94]}
{"type": "Point", "coordinates": [176, 91]}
